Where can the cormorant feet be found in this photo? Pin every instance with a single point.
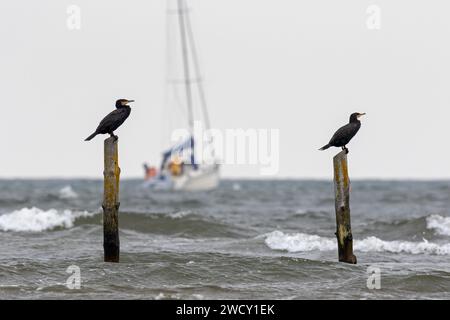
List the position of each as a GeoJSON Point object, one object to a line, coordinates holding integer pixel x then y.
{"type": "Point", "coordinates": [114, 136]}
{"type": "Point", "coordinates": [345, 149]}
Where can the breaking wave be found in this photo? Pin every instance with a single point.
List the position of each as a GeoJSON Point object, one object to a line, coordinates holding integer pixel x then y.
{"type": "Point", "coordinates": [181, 223]}
{"type": "Point", "coordinates": [67, 193]}
{"type": "Point", "coordinates": [37, 220]}
{"type": "Point", "coordinates": [180, 214]}
{"type": "Point", "coordinates": [441, 225]}
{"type": "Point", "coordinates": [300, 242]}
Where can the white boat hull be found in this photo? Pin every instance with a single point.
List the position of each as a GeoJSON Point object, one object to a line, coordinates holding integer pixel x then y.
{"type": "Point", "coordinates": [198, 180]}
{"type": "Point", "coordinates": [205, 178]}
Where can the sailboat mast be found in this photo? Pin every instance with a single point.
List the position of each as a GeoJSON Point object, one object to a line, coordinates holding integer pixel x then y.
{"type": "Point", "coordinates": [181, 12]}
{"type": "Point", "coordinates": [201, 91]}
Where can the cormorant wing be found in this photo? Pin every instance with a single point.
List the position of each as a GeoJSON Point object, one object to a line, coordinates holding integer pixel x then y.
{"type": "Point", "coordinates": [344, 134]}
{"type": "Point", "coordinates": [112, 120]}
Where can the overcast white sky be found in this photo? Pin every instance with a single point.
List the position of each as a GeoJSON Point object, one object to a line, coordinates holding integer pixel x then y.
{"type": "Point", "coordinates": [299, 66]}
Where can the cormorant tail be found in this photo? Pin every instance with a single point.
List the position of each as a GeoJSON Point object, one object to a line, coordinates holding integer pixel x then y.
{"type": "Point", "coordinates": [325, 147]}
{"type": "Point", "coordinates": [91, 137]}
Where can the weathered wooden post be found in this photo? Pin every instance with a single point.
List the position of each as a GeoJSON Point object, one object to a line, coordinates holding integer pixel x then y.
{"type": "Point", "coordinates": [111, 244]}
{"type": "Point", "coordinates": [342, 206]}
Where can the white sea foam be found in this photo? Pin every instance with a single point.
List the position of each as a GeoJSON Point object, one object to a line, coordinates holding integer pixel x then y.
{"type": "Point", "coordinates": [67, 193]}
{"type": "Point", "coordinates": [300, 242]}
{"type": "Point", "coordinates": [180, 214]}
{"type": "Point", "coordinates": [36, 220]}
{"type": "Point", "coordinates": [236, 187]}
{"type": "Point", "coordinates": [371, 244]}
{"type": "Point", "coordinates": [441, 225]}
{"type": "Point", "coordinates": [160, 296]}
{"type": "Point", "coordinates": [301, 212]}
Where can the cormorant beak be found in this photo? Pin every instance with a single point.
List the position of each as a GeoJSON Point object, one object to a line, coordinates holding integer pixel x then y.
{"type": "Point", "coordinates": [360, 115]}
{"type": "Point", "coordinates": [128, 101]}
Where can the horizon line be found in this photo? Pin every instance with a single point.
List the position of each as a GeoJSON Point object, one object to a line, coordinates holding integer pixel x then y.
{"type": "Point", "coordinates": [231, 178]}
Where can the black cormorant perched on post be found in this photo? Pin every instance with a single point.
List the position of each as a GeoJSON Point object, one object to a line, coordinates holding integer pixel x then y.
{"type": "Point", "coordinates": [343, 136]}
{"type": "Point", "coordinates": [113, 120]}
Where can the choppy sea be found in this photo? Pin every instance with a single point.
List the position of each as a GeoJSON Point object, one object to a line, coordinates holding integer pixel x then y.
{"type": "Point", "coordinates": [245, 240]}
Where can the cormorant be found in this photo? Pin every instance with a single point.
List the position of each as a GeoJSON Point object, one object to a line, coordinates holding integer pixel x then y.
{"type": "Point", "coordinates": [343, 136]}
{"type": "Point", "coordinates": [113, 120]}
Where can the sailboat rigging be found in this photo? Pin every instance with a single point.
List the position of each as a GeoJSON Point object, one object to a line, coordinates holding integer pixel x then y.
{"type": "Point", "coordinates": [180, 169]}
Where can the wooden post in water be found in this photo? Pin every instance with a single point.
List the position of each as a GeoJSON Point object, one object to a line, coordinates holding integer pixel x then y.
{"type": "Point", "coordinates": [342, 206]}
{"type": "Point", "coordinates": [111, 244]}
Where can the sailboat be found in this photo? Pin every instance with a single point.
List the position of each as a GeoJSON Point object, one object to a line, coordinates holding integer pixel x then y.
{"type": "Point", "coordinates": [180, 168]}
